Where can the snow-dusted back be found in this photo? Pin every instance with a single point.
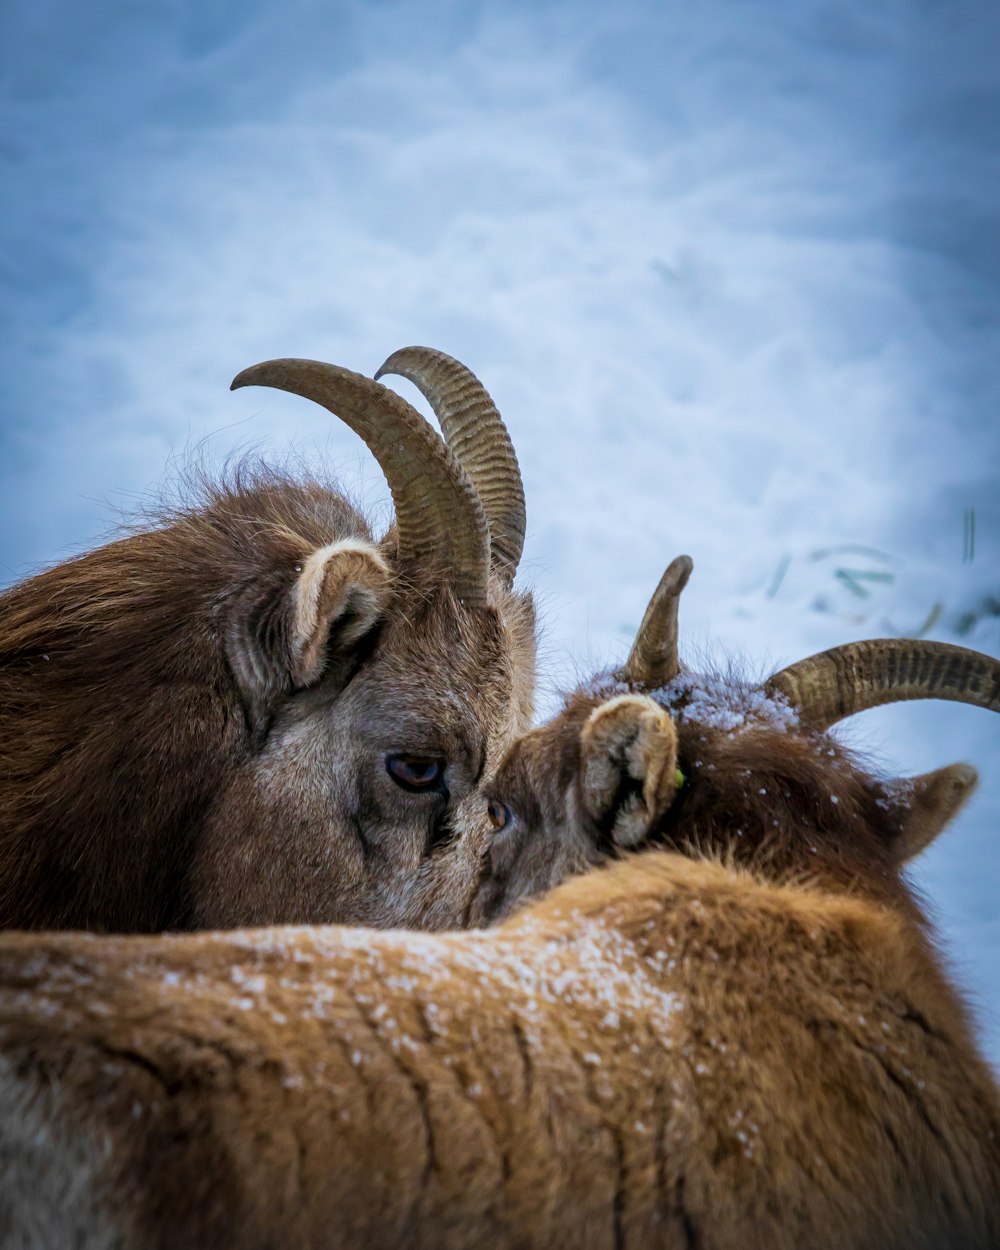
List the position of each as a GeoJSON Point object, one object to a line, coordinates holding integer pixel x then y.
{"type": "Point", "coordinates": [731, 272]}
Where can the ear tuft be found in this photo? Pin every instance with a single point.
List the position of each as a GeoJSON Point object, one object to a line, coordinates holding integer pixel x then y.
{"type": "Point", "coordinates": [339, 596]}
{"type": "Point", "coordinates": [928, 803]}
{"type": "Point", "coordinates": [628, 767]}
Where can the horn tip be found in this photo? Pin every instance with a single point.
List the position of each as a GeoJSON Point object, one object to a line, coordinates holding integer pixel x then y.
{"type": "Point", "coordinates": [402, 360]}
{"type": "Point", "coordinates": [254, 375]}
{"type": "Point", "coordinates": [678, 572]}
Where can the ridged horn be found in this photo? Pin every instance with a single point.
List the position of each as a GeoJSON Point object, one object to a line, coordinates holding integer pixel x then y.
{"type": "Point", "coordinates": [653, 660]}
{"type": "Point", "coordinates": [438, 514]}
{"type": "Point", "coordinates": [835, 684]}
{"type": "Point", "coordinates": [474, 430]}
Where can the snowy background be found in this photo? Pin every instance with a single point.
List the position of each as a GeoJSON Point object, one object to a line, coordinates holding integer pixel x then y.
{"type": "Point", "coordinates": [730, 270]}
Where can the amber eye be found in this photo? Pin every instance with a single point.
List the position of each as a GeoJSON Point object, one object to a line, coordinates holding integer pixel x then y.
{"type": "Point", "coordinates": [498, 814]}
{"type": "Point", "coordinates": [415, 772]}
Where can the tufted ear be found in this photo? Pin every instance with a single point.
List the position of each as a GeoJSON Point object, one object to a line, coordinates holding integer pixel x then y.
{"type": "Point", "coordinates": [628, 767]}
{"type": "Point", "coordinates": [928, 803]}
{"type": "Point", "coordinates": [283, 637]}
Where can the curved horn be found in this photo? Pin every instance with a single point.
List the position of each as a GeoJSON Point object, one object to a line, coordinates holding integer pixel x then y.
{"type": "Point", "coordinates": [475, 432]}
{"type": "Point", "coordinates": [834, 684]}
{"type": "Point", "coordinates": [438, 514]}
{"type": "Point", "coordinates": [653, 661]}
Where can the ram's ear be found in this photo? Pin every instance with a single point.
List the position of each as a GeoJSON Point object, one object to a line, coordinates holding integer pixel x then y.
{"type": "Point", "coordinates": [628, 767]}
{"type": "Point", "coordinates": [282, 638]}
{"type": "Point", "coordinates": [339, 596]}
{"type": "Point", "coordinates": [927, 804]}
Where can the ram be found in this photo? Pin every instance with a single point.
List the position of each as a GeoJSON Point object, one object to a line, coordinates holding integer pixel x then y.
{"type": "Point", "coordinates": [738, 1036]}
{"type": "Point", "coordinates": [255, 712]}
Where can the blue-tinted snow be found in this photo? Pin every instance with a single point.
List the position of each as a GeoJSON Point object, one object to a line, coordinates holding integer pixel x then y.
{"type": "Point", "coordinates": [730, 270]}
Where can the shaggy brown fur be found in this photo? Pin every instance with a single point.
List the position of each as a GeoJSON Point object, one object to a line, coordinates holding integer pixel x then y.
{"type": "Point", "coordinates": [195, 721]}
{"type": "Point", "coordinates": [676, 1051]}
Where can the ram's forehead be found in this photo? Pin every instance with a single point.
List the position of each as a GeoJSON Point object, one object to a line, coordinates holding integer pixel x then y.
{"type": "Point", "coordinates": [444, 681]}
{"type": "Point", "coordinates": [445, 644]}
{"type": "Point", "coordinates": [546, 754]}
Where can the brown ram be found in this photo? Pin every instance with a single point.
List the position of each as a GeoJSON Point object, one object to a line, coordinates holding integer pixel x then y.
{"type": "Point", "coordinates": [255, 712]}
{"type": "Point", "coordinates": [745, 1040]}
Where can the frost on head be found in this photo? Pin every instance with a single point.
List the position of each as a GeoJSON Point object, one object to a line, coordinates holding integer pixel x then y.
{"type": "Point", "coordinates": [719, 702]}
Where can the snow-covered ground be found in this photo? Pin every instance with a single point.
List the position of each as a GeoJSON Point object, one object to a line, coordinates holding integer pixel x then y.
{"type": "Point", "coordinates": [730, 270]}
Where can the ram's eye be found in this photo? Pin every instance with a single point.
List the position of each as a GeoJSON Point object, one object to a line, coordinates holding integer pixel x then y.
{"type": "Point", "coordinates": [498, 814]}
{"type": "Point", "coordinates": [415, 772]}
